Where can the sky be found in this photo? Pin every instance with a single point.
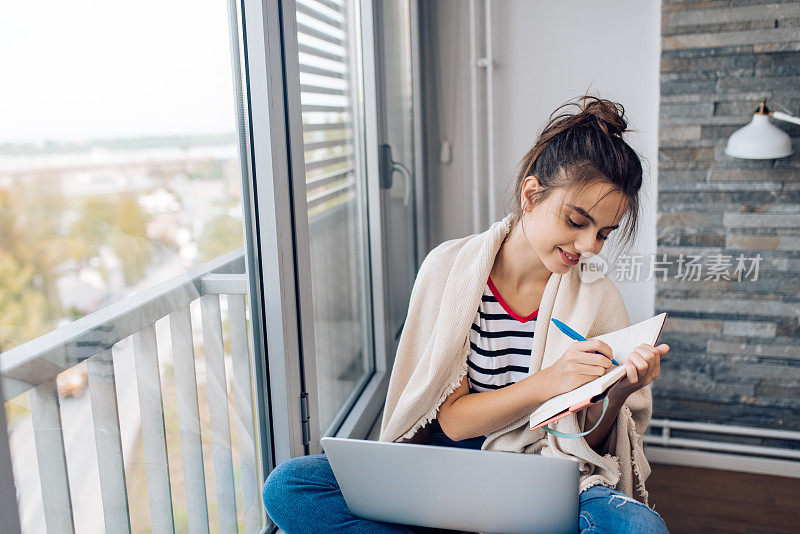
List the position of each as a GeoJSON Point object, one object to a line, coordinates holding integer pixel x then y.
{"type": "Point", "coordinates": [81, 69]}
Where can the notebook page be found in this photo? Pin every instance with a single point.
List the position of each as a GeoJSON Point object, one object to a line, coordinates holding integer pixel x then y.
{"type": "Point", "coordinates": [623, 342]}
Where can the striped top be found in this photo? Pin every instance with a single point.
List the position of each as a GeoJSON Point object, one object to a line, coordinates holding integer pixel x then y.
{"type": "Point", "coordinates": [501, 342]}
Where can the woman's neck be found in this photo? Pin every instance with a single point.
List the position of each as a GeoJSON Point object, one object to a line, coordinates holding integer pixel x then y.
{"type": "Point", "coordinates": [517, 264]}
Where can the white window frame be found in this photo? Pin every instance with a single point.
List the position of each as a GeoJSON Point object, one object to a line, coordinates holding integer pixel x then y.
{"type": "Point", "coordinates": [281, 246]}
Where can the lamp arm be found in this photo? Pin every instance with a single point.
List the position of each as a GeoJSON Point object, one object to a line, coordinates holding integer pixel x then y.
{"type": "Point", "coordinates": [785, 117]}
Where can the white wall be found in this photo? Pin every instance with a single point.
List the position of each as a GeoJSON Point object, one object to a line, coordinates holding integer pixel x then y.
{"type": "Point", "coordinates": [545, 53]}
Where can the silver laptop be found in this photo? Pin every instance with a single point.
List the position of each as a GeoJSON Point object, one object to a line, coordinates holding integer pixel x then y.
{"type": "Point", "coordinates": [454, 488]}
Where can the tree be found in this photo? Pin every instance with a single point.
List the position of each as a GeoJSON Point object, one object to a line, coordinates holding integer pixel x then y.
{"type": "Point", "coordinates": [129, 239]}
{"type": "Point", "coordinates": [26, 311]}
{"type": "Point", "coordinates": [20, 304]}
{"type": "Point", "coordinates": [219, 236]}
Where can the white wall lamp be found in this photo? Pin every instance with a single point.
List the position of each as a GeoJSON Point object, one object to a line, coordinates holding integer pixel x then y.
{"type": "Point", "coordinates": [761, 139]}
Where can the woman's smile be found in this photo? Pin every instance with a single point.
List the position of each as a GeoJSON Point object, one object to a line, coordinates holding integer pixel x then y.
{"type": "Point", "coordinates": [567, 258]}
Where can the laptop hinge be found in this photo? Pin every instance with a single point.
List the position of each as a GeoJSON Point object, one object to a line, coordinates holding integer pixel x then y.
{"type": "Point", "coordinates": [304, 418]}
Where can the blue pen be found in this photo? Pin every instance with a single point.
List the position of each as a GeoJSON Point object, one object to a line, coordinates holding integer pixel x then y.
{"type": "Point", "coordinates": [574, 335]}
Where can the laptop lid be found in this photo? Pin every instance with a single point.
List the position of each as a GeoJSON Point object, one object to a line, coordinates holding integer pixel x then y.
{"type": "Point", "coordinates": [454, 488]}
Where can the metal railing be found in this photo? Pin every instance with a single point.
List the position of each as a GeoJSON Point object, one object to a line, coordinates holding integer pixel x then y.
{"type": "Point", "coordinates": [34, 366]}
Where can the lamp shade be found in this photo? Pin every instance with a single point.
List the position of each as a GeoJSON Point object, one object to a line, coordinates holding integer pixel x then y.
{"type": "Point", "coordinates": [759, 140]}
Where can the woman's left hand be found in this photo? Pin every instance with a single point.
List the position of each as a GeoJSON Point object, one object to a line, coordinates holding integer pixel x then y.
{"type": "Point", "coordinates": [643, 366]}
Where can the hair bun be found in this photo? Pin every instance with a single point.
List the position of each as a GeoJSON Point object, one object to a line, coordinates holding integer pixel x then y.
{"type": "Point", "coordinates": [609, 115]}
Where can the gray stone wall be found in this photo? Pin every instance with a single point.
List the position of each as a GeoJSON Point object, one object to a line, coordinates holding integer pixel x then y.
{"type": "Point", "coordinates": [735, 356]}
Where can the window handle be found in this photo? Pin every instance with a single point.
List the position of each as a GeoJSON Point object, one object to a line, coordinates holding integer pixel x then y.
{"type": "Point", "coordinates": [389, 167]}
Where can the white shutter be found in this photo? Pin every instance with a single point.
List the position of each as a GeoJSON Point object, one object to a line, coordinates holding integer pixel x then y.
{"type": "Point", "coordinates": [325, 95]}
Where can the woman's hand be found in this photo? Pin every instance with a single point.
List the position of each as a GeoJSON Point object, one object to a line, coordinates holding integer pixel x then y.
{"type": "Point", "coordinates": [643, 366]}
{"type": "Point", "coordinates": [579, 365]}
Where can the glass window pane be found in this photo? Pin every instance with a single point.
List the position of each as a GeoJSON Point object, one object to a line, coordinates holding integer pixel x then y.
{"type": "Point", "coordinates": [336, 187]}
{"type": "Point", "coordinates": [123, 296]}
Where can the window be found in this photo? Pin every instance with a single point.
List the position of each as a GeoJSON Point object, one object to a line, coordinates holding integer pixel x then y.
{"type": "Point", "coordinates": [128, 363]}
{"type": "Point", "coordinates": [336, 187]}
{"type": "Point", "coordinates": [196, 237]}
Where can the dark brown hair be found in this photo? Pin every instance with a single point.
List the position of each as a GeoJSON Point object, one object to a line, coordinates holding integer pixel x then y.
{"type": "Point", "coordinates": [576, 150]}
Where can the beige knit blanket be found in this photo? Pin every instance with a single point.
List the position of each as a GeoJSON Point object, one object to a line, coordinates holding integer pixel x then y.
{"type": "Point", "coordinates": [432, 356]}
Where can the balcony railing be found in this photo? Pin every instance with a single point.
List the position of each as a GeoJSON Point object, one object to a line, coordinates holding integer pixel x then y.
{"type": "Point", "coordinates": [34, 367]}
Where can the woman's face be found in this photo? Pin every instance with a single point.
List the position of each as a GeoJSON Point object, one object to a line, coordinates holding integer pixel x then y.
{"type": "Point", "coordinates": [576, 222]}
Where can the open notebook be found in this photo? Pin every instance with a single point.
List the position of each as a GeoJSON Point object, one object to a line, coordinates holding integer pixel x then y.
{"type": "Point", "coordinates": [622, 343]}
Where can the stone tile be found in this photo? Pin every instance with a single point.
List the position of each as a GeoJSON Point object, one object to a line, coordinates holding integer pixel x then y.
{"type": "Point", "coordinates": [764, 83]}
{"type": "Point", "coordinates": [776, 47]}
{"type": "Point", "coordinates": [682, 343]}
{"type": "Point", "coordinates": [743, 110]}
{"type": "Point", "coordinates": [732, 306]}
{"type": "Point", "coordinates": [752, 349]}
{"type": "Point", "coordinates": [722, 39]}
{"type": "Point", "coordinates": [680, 178]}
{"type": "Point", "coordinates": [783, 59]}
{"type": "Point", "coordinates": [748, 242]}
{"type": "Point", "coordinates": [692, 240]}
{"type": "Point", "coordinates": [778, 387]}
{"type": "Point", "coordinates": [688, 86]}
{"type": "Point", "coordinates": [760, 220]}
{"type": "Point", "coordinates": [748, 328]}
{"type": "Point", "coordinates": [685, 158]}
{"type": "Point", "coordinates": [755, 370]}
{"type": "Point", "coordinates": [754, 175]}
{"type": "Point", "coordinates": [669, 6]}
{"type": "Point", "coordinates": [769, 257]}
{"type": "Point", "coordinates": [694, 326]}
{"type": "Point", "coordinates": [769, 281]}
{"type": "Point", "coordinates": [737, 121]}
{"type": "Point", "coordinates": [749, 25]}
{"type": "Point", "coordinates": [753, 97]}
{"type": "Point", "coordinates": [761, 207]}
{"type": "Point", "coordinates": [764, 194]}
{"type": "Point", "coordinates": [698, 75]}
{"type": "Point", "coordinates": [779, 64]}
{"type": "Point", "coordinates": [708, 52]}
{"type": "Point", "coordinates": [789, 327]}
{"type": "Point", "coordinates": [771, 403]}
{"type": "Point", "coordinates": [692, 109]}
{"type": "Point", "coordinates": [680, 134]}
{"type": "Point", "coordinates": [690, 389]}
{"type": "Point", "coordinates": [712, 63]}
{"type": "Point", "coordinates": [690, 220]}
{"type": "Point", "coordinates": [735, 14]}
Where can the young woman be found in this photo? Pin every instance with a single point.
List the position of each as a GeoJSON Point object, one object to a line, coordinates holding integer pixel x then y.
{"type": "Point", "coordinates": [477, 355]}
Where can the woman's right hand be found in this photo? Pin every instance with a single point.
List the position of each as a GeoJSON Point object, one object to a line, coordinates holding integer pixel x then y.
{"type": "Point", "coordinates": [579, 365]}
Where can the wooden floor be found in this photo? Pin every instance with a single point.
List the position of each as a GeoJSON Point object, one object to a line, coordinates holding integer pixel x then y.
{"type": "Point", "coordinates": [694, 500]}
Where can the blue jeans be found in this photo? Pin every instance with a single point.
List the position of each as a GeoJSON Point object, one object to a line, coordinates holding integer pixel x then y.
{"type": "Point", "coordinates": [307, 483]}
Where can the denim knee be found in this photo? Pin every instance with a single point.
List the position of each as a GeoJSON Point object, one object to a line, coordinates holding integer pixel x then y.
{"type": "Point", "coordinates": [275, 486]}
{"type": "Point", "coordinates": [277, 491]}
{"type": "Point", "coordinates": [613, 511]}
{"type": "Point", "coordinates": [645, 520]}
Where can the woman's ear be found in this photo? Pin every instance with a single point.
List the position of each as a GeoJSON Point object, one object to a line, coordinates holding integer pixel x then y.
{"type": "Point", "coordinates": [532, 182]}
{"type": "Point", "coordinates": [529, 185]}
